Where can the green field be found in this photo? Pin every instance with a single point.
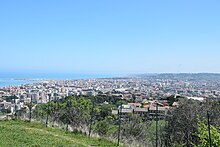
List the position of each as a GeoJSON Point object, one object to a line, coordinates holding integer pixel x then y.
{"type": "Point", "coordinates": [19, 133]}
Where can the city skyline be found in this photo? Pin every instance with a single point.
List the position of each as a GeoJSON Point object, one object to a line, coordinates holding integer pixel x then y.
{"type": "Point", "coordinates": [110, 36]}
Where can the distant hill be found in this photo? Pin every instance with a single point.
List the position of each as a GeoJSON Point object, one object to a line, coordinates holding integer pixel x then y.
{"type": "Point", "coordinates": [20, 133]}
{"type": "Point", "coordinates": [182, 76]}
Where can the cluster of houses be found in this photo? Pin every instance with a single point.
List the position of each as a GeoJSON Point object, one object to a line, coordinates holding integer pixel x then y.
{"type": "Point", "coordinates": [148, 110]}
{"type": "Point", "coordinates": [8, 109]}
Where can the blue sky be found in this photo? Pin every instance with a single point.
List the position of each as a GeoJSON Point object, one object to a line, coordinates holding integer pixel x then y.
{"type": "Point", "coordinates": [110, 36]}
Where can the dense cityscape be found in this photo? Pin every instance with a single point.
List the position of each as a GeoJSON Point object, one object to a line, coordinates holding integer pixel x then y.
{"type": "Point", "coordinates": [142, 88]}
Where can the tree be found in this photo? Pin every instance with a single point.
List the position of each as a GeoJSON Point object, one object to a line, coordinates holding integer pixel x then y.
{"type": "Point", "coordinates": [30, 106]}
{"type": "Point", "coordinates": [102, 127]}
{"type": "Point", "coordinates": [54, 111]}
{"type": "Point", "coordinates": [10, 98]}
{"type": "Point", "coordinates": [75, 111]}
{"type": "Point", "coordinates": [134, 130]}
{"type": "Point", "coordinates": [133, 98]}
{"type": "Point", "coordinates": [40, 111]}
{"type": "Point", "coordinates": [182, 123]}
{"type": "Point", "coordinates": [204, 135]}
{"type": "Point", "coordinates": [103, 111]}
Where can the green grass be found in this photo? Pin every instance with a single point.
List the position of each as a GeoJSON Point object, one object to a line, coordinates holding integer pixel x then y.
{"type": "Point", "coordinates": [17, 133]}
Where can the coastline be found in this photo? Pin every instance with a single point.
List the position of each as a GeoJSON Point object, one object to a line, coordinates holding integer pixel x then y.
{"type": "Point", "coordinates": [13, 82]}
{"type": "Point", "coordinates": [16, 79]}
{"type": "Point", "coordinates": [29, 79]}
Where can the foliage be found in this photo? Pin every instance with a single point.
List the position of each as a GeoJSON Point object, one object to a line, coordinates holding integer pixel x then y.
{"type": "Point", "coordinates": [151, 132]}
{"type": "Point", "coordinates": [102, 111]}
{"type": "Point", "coordinates": [102, 127]}
{"type": "Point", "coordinates": [134, 129]}
{"type": "Point", "coordinates": [171, 99]}
{"type": "Point", "coordinates": [5, 111]}
{"type": "Point", "coordinates": [204, 135]}
{"type": "Point", "coordinates": [100, 99]}
{"type": "Point", "coordinates": [182, 124]}
{"type": "Point", "coordinates": [10, 98]}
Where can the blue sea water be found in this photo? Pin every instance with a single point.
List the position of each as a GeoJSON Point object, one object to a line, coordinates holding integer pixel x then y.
{"type": "Point", "coordinates": [12, 82]}
{"type": "Point", "coordinates": [9, 79]}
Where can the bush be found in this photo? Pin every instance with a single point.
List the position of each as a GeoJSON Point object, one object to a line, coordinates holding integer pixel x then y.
{"type": "Point", "coordinates": [102, 127]}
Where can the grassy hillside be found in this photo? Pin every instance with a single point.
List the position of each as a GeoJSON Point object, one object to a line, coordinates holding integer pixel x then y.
{"type": "Point", "coordinates": [20, 133]}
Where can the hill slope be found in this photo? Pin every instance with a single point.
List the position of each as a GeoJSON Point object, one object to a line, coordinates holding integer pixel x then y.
{"type": "Point", "coordinates": [20, 133]}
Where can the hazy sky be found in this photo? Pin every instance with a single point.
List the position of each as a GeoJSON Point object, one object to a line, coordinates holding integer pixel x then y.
{"type": "Point", "coordinates": [110, 36]}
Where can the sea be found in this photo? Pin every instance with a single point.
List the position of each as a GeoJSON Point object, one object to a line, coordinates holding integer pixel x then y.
{"type": "Point", "coordinates": [14, 79]}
